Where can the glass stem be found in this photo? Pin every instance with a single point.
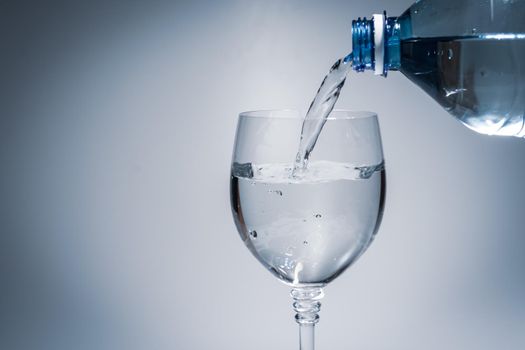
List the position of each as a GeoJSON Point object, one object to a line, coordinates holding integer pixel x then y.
{"type": "Point", "coordinates": [306, 337]}
{"type": "Point", "coordinates": [307, 305]}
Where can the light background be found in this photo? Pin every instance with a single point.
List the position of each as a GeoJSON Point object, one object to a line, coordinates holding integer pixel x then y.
{"type": "Point", "coordinates": [117, 121]}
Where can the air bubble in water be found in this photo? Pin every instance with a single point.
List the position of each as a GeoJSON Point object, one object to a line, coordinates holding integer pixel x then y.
{"type": "Point", "coordinates": [305, 242]}
{"type": "Point", "coordinates": [318, 216]}
{"type": "Point", "coordinates": [450, 54]}
{"type": "Point", "coordinates": [279, 192]}
{"type": "Point", "coordinates": [253, 234]}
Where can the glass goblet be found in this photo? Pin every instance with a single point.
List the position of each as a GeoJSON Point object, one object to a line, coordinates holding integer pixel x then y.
{"type": "Point", "coordinates": [307, 227]}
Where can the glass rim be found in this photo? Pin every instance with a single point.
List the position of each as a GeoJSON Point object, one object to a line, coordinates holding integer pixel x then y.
{"type": "Point", "coordinates": [347, 114]}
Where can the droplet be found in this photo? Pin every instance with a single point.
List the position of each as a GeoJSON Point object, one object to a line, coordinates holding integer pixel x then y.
{"type": "Point", "coordinates": [474, 30]}
{"type": "Point", "coordinates": [450, 54]}
{"type": "Point", "coordinates": [289, 251]}
{"type": "Point", "coordinates": [482, 73]}
{"type": "Point", "coordinates": [318, 216]}
{"type": "Point", "coordinates": [304, 220]}
{"type": "Point", "coordinates": [305, 242]}
{"type": "Point", "coordinates": [428, 53]}
{"type": "Point", "coordinates": [278, 192]}
{"type": "Point", "coordinates": [253, 234]}
{"type": "Point", "coordinates": [416, 12]}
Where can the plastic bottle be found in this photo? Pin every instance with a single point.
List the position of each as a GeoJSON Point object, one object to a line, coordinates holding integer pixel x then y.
{"type": "Point", "coordinates": [467, 55]}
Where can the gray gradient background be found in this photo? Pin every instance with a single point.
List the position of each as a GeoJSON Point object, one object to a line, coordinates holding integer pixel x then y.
{"type": "Point", "coordinates": [117, 121]}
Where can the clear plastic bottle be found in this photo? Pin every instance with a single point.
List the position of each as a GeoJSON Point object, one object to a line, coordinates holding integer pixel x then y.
{"type": "Point", "coordinates": [468, 55]}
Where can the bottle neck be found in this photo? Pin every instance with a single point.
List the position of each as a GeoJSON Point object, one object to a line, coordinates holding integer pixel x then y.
{"type": "Point", "coordinates": [376, 44]}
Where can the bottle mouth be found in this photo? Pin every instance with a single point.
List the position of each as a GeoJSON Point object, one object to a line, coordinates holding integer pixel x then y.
{"type": "Point", "coordinates": [368, 44]}
{"type": "Point", "coordinates": [362, 44]}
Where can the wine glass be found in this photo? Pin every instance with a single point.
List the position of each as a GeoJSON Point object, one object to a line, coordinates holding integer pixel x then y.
{"type": "Point", "coordinates": [307, 227]}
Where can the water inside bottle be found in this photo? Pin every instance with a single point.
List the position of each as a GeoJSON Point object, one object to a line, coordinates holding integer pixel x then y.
{"type": "Point", "coordinates": [479, 80]}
